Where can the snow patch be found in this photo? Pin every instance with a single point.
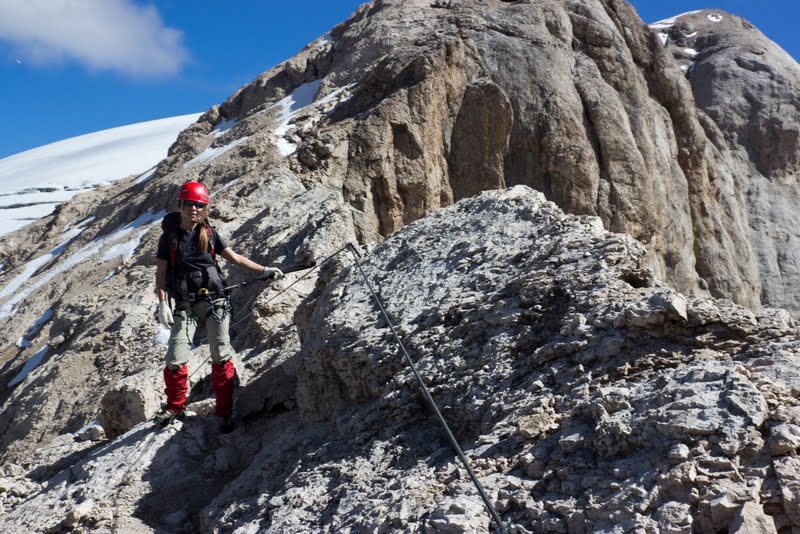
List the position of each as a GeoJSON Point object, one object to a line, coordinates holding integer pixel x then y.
{"type": "Point", "coordinates": [663, 37]}
{"type": "Point", "coordinates": [33, 182]}
{"type": "Point", "coordinates": [668, 23]}
{"type": "Point", "coordinates": [124, 250]}
{"type": "Point", "coordinates": [29, 366]}
{"type": "Point", "coordinates": [22, 207]}
{"type": "Point", "coordinates": [331, 97]}
{"type": "Point", "coordinates": [82, 224]}
{"type": "Point", "coordinates": [37, 325]}
{"type": "Point", "coordinates": [290, 106]}
{"type": "Point", "coordinates": [286, 148]}
{"type": "Point", "coordinates": [69, 235]}
{"type": "Point", "coordinates": [690, 52]}
{"type": "Point", "coordinates": [112, 242]}
{"type": "Point", "coordinates": [144, 178]}
{"type": "Point", "coordinates": [30, 268]}
{"type": "Point", "coordinates": [297, 100]}
{"type": "Point", "coordinates": [224, 127]}
{"type": "Point", "coordinates": [715, 17]}
{"type": "Point", "coordinates": [324, 41]}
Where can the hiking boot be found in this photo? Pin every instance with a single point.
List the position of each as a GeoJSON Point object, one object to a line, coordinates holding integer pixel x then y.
{"type": "Point", "coordinates": [226, 424]}
{"type": "Point", "coordinates": [165, 417]}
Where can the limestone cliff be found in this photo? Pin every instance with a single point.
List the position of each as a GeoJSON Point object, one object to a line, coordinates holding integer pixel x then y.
{"type": "Point", "coordinates": [577, 100]}
{"type": "Point", "coordinates": [747, 88]}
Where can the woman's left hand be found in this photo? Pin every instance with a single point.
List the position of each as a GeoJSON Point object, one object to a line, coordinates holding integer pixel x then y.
{"type": "Point", "coordinates": [273, 272]}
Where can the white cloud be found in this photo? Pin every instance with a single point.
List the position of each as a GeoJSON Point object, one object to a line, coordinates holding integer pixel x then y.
{"type": "Point", "coordinates": [116, 35]}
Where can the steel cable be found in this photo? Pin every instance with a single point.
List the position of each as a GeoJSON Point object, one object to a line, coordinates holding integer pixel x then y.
{"type": "Point", "coordinates": [431, 403]}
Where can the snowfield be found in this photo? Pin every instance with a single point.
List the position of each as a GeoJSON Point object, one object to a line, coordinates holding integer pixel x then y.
{"type": "Point", "coordinates": [34, 182]}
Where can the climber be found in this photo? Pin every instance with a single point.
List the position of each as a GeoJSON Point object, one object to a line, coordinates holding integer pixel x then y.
{"type": "Point", "coordinates": [187, 272]}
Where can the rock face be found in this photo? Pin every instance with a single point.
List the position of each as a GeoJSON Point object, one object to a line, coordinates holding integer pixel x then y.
{"type": "Point", "coordinates": [747, 88]}
{"type": "Point", "coordinates": [570, 321]}
{"type": "Point", "coordinates": [595, 114]}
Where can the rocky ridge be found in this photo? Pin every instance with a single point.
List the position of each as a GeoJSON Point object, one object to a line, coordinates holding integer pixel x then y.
{"type": "Point", "coordinates": [592, 381]}
{"type": "Point", "coordinates": [592, 399]}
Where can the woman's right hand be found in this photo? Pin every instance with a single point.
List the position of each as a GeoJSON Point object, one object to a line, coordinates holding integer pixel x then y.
{"type": "Point", "coordinates": [164, 314]}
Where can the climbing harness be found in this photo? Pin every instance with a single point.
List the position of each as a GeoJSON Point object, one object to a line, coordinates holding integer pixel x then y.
{"type": "Point", "coordinates": [210, 296]}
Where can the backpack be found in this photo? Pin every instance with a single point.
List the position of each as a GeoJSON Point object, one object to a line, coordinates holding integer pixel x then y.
{"type": "Point", "coordinates": [169, 225]}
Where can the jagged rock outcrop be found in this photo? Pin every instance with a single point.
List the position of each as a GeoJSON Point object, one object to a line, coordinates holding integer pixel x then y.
{"type": "Point", "coordinates": [595, 114]}
{"type": "Point", "coordinates": [593, 382]}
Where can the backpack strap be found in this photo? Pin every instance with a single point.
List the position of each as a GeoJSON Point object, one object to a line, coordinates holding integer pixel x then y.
{"type": "Point", "coordinates": [169, 225]}
{"type": "Point", "coordinates": [173, 251]}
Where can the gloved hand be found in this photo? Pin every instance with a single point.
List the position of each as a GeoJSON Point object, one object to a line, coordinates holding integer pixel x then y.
{"type": "Point", "coordinates": [164, 314]}
{"type": "Point", "coordinates": [272, 272]}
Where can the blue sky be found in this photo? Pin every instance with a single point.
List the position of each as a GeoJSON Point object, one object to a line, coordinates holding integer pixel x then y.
{"type": "Point", "coordinates": [116, 62]}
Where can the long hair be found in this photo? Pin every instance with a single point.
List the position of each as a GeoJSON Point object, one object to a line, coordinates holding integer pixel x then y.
{"type": "Point", "coordinates": [203, 240]}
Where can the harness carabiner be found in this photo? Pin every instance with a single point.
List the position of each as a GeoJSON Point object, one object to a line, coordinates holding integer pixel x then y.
{"type": "Point", "coordinates": [205, 294]}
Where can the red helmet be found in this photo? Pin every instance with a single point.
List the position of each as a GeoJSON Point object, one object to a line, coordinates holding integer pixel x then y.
{"type": "Point", "coordinates": [193, 192]}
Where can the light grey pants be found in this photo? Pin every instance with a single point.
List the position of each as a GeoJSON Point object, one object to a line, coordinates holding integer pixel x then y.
{"type": "Point", "coordinates": [186, 321]}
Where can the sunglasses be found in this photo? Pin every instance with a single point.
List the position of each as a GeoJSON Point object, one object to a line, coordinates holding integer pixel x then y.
{"type": "Point", "coordinates": [190, 203]}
